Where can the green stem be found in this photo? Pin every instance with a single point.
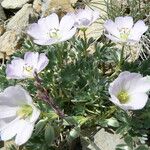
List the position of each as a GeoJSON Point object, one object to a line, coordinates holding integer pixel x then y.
{"type": "Point", "coordinates": [121, 57]}
{"type": "Point", "coordinates": [119, 66]}
{"type": "Point", "coordinates": [85, 42]}
{"type": "Point", "coordinates": [44, 95]}
{"type": "Point", "coordinates": [59, 49]}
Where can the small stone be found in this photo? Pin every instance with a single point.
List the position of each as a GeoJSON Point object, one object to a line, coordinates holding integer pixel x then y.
{"type": "Point", "coordinates": [2, 29]}
{"type": "Point", "coordinates": [104, 140]}
{"type": "Point", "coordinates": [37, 6]}
{"type": "Point", "coordinates": [49, 6]}
{"type": "Point", "coordinates": [9, 42]}
{"type": "Point", "coordinates": [13, 4]}
{"type": "Point", "coordinates": [2, 14]}
{"type": "Point", "coordinates": [21, 19]}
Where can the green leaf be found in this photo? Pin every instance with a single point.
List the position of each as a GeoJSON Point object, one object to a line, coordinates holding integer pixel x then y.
{"type": "Point", "coordinates": [74, 133]}
{"type": "Point", "coordinates": [128, 139]}
{"type": "Point", "coordinates": [40, 126]}
{"type": "Point", "coordinates": [80, 119]}
{"type": "Point", "coordinates": [113, 122]}
{"type": "Point", "coordinates": [49, 134]}
{"type": "Point", "coordinates": [122, 147]}
{"type": "Point", "coordinates": [142, 147]}
{"type": "Point", "coordinates": [69, 121]}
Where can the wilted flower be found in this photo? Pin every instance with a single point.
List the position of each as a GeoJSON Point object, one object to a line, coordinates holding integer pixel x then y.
{"type": "Point", "coordinates": [26, 68]}
{"type": "Point", "coordinates": [84, 17]}
{"type": "Point", "coordinates": [123, 30]}
{"type": "Point", "coordinates": [49, 30]}
{"type": "Point", "coordinates": [17, 115]}
{"type": "Point", "coordinates": [128, 91]}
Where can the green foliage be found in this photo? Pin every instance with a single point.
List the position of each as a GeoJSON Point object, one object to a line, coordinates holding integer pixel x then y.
{"type": "Point", "coordinates": [78, 82]}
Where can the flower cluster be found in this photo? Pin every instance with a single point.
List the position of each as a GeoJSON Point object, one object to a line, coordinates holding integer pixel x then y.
{"type": "Point", "coordinates": [18, 113]}
{"type": "Point", "coordinates": [51, 31]}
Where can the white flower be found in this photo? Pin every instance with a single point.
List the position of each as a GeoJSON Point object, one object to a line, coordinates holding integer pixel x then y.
{"type": "Point", "coordinates": [85, 17]}
{"type": "Point", "coordinates": [123, 30]}
{"type": "Point", "coordinates": [128, 91]}
{"type": "Point", "coordinates": [17, 115]}
{"type": "Point", "coordinates": [25, 68]}
{"type": "Point", "coordinates": [49, 30]}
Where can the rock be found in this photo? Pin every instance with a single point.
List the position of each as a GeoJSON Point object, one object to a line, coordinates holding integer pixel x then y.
{"type": "Point", "coordinates": [49, 6]}
{"type": "Point", "coordinates": [37, 6]}
{"type": "Point", "coordinates": [2, 29]}
{"type": "Point", "coordinates": [9, 42]}
{"type": "Point", "coordinates": [13, 4]}
{"type": "Point", "coordinates": [21, 19]}
{"type": "Point", "coordinates": [104, 141]}
{"type": "Point", "coordinates": [2, 14]}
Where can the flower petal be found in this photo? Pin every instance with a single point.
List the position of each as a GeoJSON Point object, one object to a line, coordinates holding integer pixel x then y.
{"type": "Point", "coordinates": [15, 69]}
{"type": "Point", "coordinates": [5, 121]}
{"type": "Point", "coordinates": [46, 42]}
{"type": "Point", "coordinates": [86, 13]}
{"type": "Point", "coordinates": [24, 133]}
{"type": "Point", "coordinates": [32, 31]}
{"type": "Point", "coordinates": [138, 101]}
{"type": "Point", "coordinates": [17, 95]}
{"type": "Point", "coordinates": [10, 130]}
{"type": "Point", "coordinates": [31, 58]}
{"type": "Point", "coordinates": [111, 28]}
{"type": "Point", "coordinates": [68, 35]}
{"type": "Point", "coordinates": [113, 38]}
{"type": "Point", "coordinates": [49, 22]}
{"type": "Point", "coordinates": [42, 62]}
{"type": "Point", "coordinates": [137, 31]}
{"type": "Point", "coordinates": [35, 114]}
{"type": "Point", "coordinates": [140, 85]}
{"type": "Point", "coordinates": [124, 22]}
{"type": "Point", "coordinates": [66, 23]}
{"type": "Point", "coordinates": [7, 111]}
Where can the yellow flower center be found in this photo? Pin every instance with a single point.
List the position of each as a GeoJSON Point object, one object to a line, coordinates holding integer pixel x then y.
{"type": "Point", "coordinates": [123, 97]}
{"type": "Point", "coordinates": [124, 33]}
{"type": "Point", "coordinates": [55, 34]}
{"type": "Point", "coordinates": [28, 70]}
{"type": "Point", "coordinates": [25, 111]}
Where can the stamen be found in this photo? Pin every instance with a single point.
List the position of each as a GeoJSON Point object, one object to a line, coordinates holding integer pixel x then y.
{"type": "Point", "coordinates": [124, 33]}
{"type": "Point", "coordinates": [25, 111]}
{"type": "Point", "coordinates": [28, 70]}
{"type": "Point", "coordinates": [123, 97]}
{"type": "Point", "coordinates": [55, 34]}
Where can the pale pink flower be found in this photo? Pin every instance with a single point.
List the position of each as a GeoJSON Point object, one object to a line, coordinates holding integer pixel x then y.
{"type": "Point", "coordinates": [123, 30]}
{"type": "Point", "coordinates": [84, 17]}
{"type": "Point", "coordinates": [26, 68]}
{"type": "Point", "coordinates": [17, 115]}
{"type": "Point", "coordinates": [50, 30]}
{"type": "Point", "coordinates": [128, 91]}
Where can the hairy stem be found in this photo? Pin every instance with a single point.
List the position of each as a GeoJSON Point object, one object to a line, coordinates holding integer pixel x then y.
{"type": "Point", "coordinates": [44, 95]}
